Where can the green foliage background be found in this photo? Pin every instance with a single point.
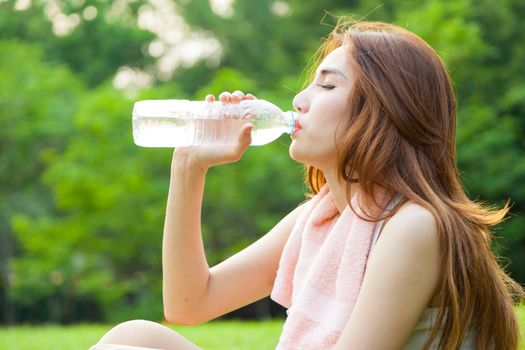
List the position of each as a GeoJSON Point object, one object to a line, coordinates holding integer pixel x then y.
{"type": "Point", "coordinates": [82, 208]}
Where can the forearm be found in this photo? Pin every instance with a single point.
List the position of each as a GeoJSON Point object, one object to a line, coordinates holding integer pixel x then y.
{"type": "Point", "coordinates": [184, 265]}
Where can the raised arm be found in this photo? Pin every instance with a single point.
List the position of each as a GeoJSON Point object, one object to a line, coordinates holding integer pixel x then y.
{"type": "Point", "coordinates": [192, 292]}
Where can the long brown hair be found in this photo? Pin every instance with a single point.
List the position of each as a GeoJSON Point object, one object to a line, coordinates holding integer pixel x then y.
{"type": "Point", "coordinates": [400, 135]}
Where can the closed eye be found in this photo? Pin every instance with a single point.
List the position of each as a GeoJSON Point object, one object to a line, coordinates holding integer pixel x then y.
{"type": "Point", "coordinates": [327, 86]}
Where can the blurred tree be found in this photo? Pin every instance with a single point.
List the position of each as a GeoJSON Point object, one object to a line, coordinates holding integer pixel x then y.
{"type": "Point", "coordinates": [494, 146]}
{"type": "Point", "coordinates": [36, 123]}
{"type": "Point", "coordinates": [91, 37]}
{"type": "Point", "coordinates": [105, 245]}
{"type": "Point", "coordinates": [265, 40]}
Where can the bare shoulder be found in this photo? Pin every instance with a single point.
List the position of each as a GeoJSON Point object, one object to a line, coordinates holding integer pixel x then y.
{"type": "Point", "coordinates": [409, 242]}
{"type": "Point", "coordinates": [414, 213]}
{"type": "Point", "coordinates": [412, 234]}
{"type": "Point", "coordinates": [413, 225]}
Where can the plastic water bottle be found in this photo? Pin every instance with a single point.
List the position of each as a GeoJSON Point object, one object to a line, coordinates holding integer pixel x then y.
{"type": "Point", "coordinates": [179, 123]}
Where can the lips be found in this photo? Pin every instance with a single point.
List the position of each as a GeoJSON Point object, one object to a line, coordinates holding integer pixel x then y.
{"type": "Point", "coordinates": [296, 127]}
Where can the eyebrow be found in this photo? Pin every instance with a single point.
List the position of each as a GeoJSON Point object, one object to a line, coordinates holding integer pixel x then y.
{"type": "Point", "coordinates": [332, 71]}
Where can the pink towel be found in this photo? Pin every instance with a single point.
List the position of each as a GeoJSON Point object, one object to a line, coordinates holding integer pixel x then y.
{"type": "Point", "coordinates": [321, 271]}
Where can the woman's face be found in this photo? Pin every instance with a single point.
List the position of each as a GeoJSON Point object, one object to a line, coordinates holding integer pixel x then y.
{"type": "Point", "coordinates": [320, 108]}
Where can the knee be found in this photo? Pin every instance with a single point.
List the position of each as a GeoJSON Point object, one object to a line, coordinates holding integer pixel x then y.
{"type": "Point", "coordinates": [127, 330]}
{"type": "Point", "coordinates": [146, 334]}
{"type": "Point", "coordinates": [136, 325]}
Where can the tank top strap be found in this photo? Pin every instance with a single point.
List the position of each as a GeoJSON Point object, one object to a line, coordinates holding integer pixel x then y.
{"type": "Point", "coordinates": [379, 226]}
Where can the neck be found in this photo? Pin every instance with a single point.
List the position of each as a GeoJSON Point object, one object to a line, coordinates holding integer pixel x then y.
{"type": "Point", "coordinates": [338, 189]}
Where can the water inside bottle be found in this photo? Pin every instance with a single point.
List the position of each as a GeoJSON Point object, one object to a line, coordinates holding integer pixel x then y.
{"type": "Point", "coordinates": [181, 132]}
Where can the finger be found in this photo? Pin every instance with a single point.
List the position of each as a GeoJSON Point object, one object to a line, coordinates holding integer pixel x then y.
{"type": "Point", "coordinates": [209, 98]}
{"type": "Point", "coordinates": [225, 97]}
{"type": "Point", "coordinates": [250, 97]}
{"type": "Point", "coordinates": [237, 96]}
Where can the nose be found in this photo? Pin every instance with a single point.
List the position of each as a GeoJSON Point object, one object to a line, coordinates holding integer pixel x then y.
{"type": "Point", "coordinates": [300, 102]}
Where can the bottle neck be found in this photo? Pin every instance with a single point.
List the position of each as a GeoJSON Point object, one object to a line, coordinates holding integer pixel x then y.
{"type": "Point", "coordinates": [289, 118]}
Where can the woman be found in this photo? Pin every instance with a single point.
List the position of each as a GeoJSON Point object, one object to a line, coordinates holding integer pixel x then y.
{"type": "Point", "coordinates": [389, 253]}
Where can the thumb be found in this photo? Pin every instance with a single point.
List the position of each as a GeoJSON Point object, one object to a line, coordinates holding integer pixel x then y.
{"type": "Point", "coordinates": [245, 137]}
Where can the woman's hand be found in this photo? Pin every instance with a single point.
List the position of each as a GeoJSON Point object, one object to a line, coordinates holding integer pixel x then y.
{"type": "Point", "coordinates": [203, 157]}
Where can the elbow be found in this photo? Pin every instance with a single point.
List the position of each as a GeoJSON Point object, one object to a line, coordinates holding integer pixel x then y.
{"type": "Point", "coordinates": [176, 320]}
{"type": "Point", "coordinates": [182, 318]}
{"type": "Point", "coordinates": [182, 309]}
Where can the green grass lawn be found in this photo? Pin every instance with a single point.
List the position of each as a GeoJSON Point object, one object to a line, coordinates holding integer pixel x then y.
{"type": "Point", "coordinates": [521, 316]}
{"type": "Point", "coordinates": [213, 335]}
{"type": "Point", "coordinates": [231, 335]}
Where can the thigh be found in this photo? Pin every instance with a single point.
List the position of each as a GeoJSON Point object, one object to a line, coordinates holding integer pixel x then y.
{"type": "Point", "coordinates": [137, 334]}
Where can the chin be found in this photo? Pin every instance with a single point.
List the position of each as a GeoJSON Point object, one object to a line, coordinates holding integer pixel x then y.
{"type": "Point", "coordinates": [292, 155]}
{"type": "Point", "coordinates": [319, 159]}
{"type": "Point", "coordinates": [292, 151]}
{"type": "Point", "coordinates": [297, 155]}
